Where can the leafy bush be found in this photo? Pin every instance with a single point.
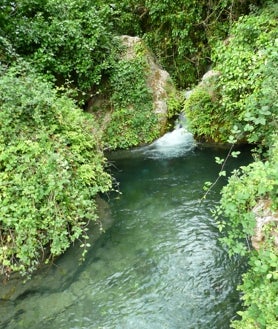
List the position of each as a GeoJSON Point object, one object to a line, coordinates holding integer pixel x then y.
{"type": "Point", "coordinates": [261, 110]}
{"type": "Point", "coordinates": [248, 92]}
{"type": "Point", "coordinates": [133, 120]}
{"type": "Point", "coordinates": [180, 32]}
{"type": "Point", "coordinates": [244, 94]}
{"type": "Point", "coordinates": [236, 218]}
{"type": "Point", "coordinates": [260, 288]}
{"type": "Point", "coordinates": [246, 186]}
{"type": "Point", "coordinates": [248, 80]}
{"type": "Point", "coordinates": [69, 40]}
{"type": "Point", "coordinates": [203, 113]}
{"type": "Point", "coordinates": [51, 168]}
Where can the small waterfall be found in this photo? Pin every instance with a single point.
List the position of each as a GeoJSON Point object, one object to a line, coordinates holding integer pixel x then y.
{"type": "Point", "coordinates": [173, 144]}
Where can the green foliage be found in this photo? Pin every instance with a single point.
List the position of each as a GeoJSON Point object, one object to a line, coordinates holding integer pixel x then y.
{"type": "Point", "coordinates": [246, 186]}
{"type": "Point", "coordinates": [248, 80]}
{"type": "Point", "coordinates": [133, 120]}
{"type": "Point", "coordinates": [177, 37]}
{"type": "Point", "coordinates": [204, 115]}
{"type": "Point", "coordinates": [260, 287]}
{"type": "Point", "coordinates": [244, 93]}
{"type": "Point", "coordinates": [51, 168]}
{"type": "Point", "coordinates": [236, 219]}
{"type": "Point", "coordinates": [248, 89]}
{"type": "Point", "coordinates": [180, 32]}
{"type": "Point", "coordinates": [69, 40]}
{"type": "Point", "coordinates": [261, 110]}
{"type": "Point", "coordinates": [174, 102]}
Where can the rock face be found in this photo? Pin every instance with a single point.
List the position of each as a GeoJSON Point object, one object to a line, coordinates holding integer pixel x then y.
{"type": "Point", "coordinates": [266, 220]}
{"type": "Point", "coordinates": [164, 102]}
{"type": "Point", "coordinates": [158, 80]}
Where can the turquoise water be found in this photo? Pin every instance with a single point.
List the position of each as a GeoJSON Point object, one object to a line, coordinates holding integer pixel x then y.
{"type": "Point", "coordinates": [159, 265]}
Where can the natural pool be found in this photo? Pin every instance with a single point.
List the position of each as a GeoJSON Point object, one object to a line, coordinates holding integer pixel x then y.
{"type": "Point", "coordinates": [158, 266]}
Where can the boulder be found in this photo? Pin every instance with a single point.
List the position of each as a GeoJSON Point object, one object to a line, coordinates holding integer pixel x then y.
{"type": "Point", "coordinates": [158, 80]}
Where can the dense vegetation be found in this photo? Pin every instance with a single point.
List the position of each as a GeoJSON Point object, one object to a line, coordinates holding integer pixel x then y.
{"type": "Point", "coordinates": [68, 41]}
{"type": "Point", "coordinates": [242, 96]}
{"type": "Point", "coordinates": [253, 185]}
{"type": "Point", "coordinates": [239, 103]}
{"type": "Point", "coordinates": [132, 122]}
{"type": "Point", "coordinates": [51, 164]}
{"type": "Point", "coordinates": [57, 57]}
{"type": "Point", "coordinates": [51, 168]}
{"type": "Point", "coordinates": [181, 32]}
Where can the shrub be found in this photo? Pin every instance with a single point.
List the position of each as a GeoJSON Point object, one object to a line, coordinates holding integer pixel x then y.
{"type": "Point", "coordinates": [249, 75]}
{"type": "Point", "coordinates": [133, 121]}
{"type": "Point", "coordinates": [68, 40]}
{"type": "Point", "coordinates": [236, 217]}
{"type": "Point", "coordinates": [244, 95]}
{"type": "Point", "coordinates": [181, 32]}
{"type": "Point", "coordinates": [51, 168]}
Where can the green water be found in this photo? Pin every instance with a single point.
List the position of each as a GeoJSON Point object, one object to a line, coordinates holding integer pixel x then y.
{"type": "Point", "coordinates": [159, 265]}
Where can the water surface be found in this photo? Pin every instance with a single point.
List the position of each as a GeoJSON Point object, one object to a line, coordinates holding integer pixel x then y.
{"type": "Point", "coordinates": [158, 266]}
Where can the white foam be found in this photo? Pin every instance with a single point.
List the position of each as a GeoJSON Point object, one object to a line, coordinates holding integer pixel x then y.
{"type": "Point", "coordinates": [173, 144]}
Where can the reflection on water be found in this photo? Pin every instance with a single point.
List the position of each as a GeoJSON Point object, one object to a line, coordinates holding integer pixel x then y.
{"type": "Point", "coordinates": [158, 266]}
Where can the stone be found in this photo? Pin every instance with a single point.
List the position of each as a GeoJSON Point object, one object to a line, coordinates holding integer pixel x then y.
{"type": "Point", "coordinates": [264, 216]}
{"type": "Point", "coordinates": [158, 80]}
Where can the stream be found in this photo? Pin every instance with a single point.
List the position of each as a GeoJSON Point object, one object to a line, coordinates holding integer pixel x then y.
{"type": "Point", "coordinates": [158, 265]}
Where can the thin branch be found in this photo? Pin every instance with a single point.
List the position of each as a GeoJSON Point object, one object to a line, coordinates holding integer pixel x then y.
{"type": "Point", "coordinates": [222, 167]}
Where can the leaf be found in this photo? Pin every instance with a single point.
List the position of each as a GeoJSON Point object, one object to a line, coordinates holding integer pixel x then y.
{"type": "Point", "coordinates": [235, 154]}
{"type": "Point", "coordinates": [219, 160]}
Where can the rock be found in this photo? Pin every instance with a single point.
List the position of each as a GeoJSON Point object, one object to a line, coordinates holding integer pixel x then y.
{"type": "Point", "coordinates": [158, 80]}
{"type": "Point", "coordinates": [264, 216]}
{"type": "Point", "coordinates": [208, 76]}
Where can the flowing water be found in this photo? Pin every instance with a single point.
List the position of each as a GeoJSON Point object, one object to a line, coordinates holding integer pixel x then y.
{"type": "Point", "coordinates": [159, 265]}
